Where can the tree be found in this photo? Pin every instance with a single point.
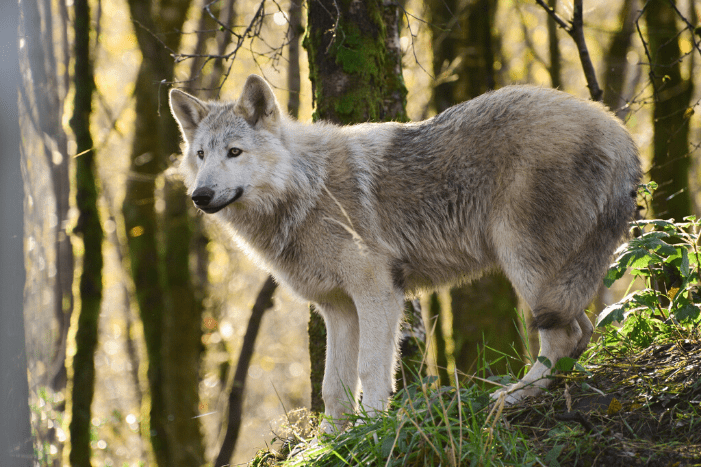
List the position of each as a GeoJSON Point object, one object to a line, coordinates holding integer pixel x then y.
{"type": "Point", "coordinates": [615, 61]}
{"type": "Point", "coordinates": [16, 439]}
{"type": "Point", "coordinates": [90, 229]}
{"type": "Point", "coordinates": [355, 70]}
{"type": "Point", "coordinates": [671, 157]}
{"type": "Point", "coordinates": [42, 98]}
{"type": "Point", "coordinates": [169, 303]}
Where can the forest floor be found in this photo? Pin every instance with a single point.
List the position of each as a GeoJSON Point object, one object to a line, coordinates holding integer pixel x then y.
{"type": "Point", "coordinates": [624, 406]}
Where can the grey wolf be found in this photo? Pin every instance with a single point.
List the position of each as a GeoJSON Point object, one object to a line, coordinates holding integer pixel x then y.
{"type": "Point", "coordinates": [352, 218]}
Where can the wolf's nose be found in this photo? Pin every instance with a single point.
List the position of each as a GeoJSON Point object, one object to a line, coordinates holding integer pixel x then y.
{"type": "Point", "coordinates": [202, 196]}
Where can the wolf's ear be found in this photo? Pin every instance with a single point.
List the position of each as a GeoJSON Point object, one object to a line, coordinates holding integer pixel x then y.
{"type": "Point", "coordinates": [257, 103]}
{"type": "Point", "coordinates": [188, 111]}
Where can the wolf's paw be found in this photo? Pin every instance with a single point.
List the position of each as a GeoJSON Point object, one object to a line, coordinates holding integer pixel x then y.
{"type": "Point", "coordinates": [515, 393]}
{"type": "Point", "coordinates": [328, 427]}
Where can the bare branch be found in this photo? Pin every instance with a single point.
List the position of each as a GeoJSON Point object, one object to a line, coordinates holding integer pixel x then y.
{"type": "Point", "coordinates": [558, 19]}
{"type": "Point", "coordinates": [576, 31]}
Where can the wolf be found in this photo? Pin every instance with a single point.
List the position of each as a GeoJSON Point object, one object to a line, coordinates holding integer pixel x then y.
{"type": "Point", "coordinates": [529, 180]}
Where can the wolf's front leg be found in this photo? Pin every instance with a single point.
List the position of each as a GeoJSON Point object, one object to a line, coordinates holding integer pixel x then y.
{"type": "Point", "coordinates": [379, 316]}
{"type": "Point", "coordinates": [341, 385]}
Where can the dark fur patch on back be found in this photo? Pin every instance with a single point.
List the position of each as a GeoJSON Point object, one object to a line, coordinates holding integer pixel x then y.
{"type": "Point", "coordinates": [546, 318]}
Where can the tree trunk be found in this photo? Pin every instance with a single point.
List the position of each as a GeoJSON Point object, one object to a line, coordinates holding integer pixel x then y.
{"type": "Point", "coordinates": [16, 439]}
{"type": "Point", "coordinates": [159, 246]}
{"type": "Point", "coordinates": [435, 325]}
{"type": "Point", "coordinates": [352, 69]}
{"type": "Point", "coordinates": [555, 68]}
{"type": "Point", "coordinates": [90, 229]}
{"type": "Point", "coordinates": [671, 158]}
{"type": "Point", "coordinates": [465, 40]}
{"type": "Point", "coordinates": [616, 62]}
{"type": "Point", "coordinates": [45, 107]}
{"type": "Point", "coordinates": [294, 15]}
{"type": "Point", "coordinates": [355, 70]}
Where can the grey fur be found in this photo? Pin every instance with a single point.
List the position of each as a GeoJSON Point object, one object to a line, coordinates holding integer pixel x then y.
{"type": "Point", "coordinates": [529, 180]}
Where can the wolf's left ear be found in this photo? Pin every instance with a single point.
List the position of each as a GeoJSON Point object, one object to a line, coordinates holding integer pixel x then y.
{"type": "Point", "coordinates": [257, 103]}
{"type": "Point", "coordinates": [188, 111]}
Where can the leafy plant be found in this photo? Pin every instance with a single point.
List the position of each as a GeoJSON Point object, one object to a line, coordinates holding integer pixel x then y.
{"type": "Point", "coordinates": [664, 256]}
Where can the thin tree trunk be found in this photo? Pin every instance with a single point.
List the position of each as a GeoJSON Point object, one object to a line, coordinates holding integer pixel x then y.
{"type": "Point", "coordinates": [317, 353]}
{"type": "Point", "coordinates": [615, 61]}
{"type": "Point", "coordinates": [90, 229]}
{"type": "Point", "coordinates": [555, 68]}
{"type": "Point", "coordinates": [434, 311]}
{"type": "Point", "coordinates": [295, 31]}
{"type": "Point", "coordinates": [238, 385]}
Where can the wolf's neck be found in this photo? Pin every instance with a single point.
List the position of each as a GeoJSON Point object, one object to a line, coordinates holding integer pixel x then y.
{"type": "Point", "coordinates": [269, 224]}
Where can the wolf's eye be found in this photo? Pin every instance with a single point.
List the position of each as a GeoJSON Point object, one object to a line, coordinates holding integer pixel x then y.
{"type": "Point", "coordinates": [234, 152]}
{"type": "Point", "coordinates": [200, 154]}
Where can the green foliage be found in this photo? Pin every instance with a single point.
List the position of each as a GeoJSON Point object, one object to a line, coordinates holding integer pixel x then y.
{"type": "Point", "coordinates": [664, 256]}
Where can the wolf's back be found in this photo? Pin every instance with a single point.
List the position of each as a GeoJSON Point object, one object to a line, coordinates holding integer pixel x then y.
{"type": "Point", "coordinates": [520, 169]}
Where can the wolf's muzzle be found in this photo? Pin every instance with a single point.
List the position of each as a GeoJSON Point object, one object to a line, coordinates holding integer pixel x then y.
{"type": "Point", "coordinates": [203, 196]}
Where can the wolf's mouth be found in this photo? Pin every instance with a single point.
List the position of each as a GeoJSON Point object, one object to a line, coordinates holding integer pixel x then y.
{"type": "Point", "coordinates": [212, 209]}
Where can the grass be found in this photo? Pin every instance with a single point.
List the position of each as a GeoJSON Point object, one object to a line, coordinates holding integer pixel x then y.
{"type": "Point", "coordinates": [636, 406]}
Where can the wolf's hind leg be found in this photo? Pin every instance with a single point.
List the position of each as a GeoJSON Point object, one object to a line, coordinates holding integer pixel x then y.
{"type": "Point", "coordinates": [341, 384]}
{"type": "Point", "coordinates": [555, 343]}
{"type": "Point", "coordinates": [587, 330]}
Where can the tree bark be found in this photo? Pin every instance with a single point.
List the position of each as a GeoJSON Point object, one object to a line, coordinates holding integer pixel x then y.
{"type": "Point", "coordinates": [90, 229]}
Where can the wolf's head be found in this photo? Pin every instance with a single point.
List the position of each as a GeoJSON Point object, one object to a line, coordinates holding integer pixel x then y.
{"type": "Point", "coordinates": [233, 150]}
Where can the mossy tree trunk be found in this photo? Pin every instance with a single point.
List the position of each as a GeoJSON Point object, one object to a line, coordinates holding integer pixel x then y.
{"type": "Point", "coordinates": [90, 229]}
{"type": "Point", "coordinates": [463, 45]}
{"type": "Point", "coordinates": [355, 71]}
{"type": "Point", "coordinates": [159, 244]}
{"type": "Point", "coordinates": [671, 158]}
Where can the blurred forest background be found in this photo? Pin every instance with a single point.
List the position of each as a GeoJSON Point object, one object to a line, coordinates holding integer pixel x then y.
{"type": "Point", "coordinates": [137, 307]}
